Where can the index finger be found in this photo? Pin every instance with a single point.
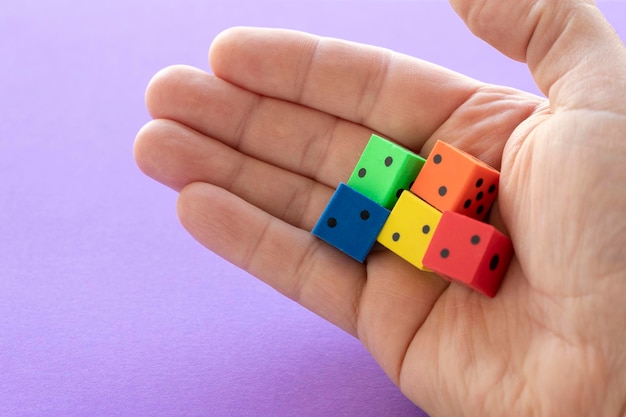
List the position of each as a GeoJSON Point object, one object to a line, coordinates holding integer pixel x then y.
{"type": "Point", "coordinates": [401, 97]}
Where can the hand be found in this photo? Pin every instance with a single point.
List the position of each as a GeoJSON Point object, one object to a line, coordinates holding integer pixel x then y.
{"type": "Point", "coordinates": [257, 149]}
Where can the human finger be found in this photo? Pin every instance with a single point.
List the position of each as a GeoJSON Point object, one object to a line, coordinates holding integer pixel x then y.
{"type": "Point", "coordinates": [401, 97]}
{"type": "Point", "coordinates": [289, 259]}
{"type": "Point", "coordinates": [566, 44]}
{"type": "Point", "coordinates": [296, 138]}
{"type": "Point", "coordinates": [177, 155]}
{"type": "Point", "coordinates": [313, 143]}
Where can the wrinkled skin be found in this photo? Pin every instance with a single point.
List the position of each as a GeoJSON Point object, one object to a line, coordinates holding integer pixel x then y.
{"type": "Point", "coordinates": [256, 150]}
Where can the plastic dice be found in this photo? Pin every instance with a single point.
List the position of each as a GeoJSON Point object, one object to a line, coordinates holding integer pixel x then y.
{"type": "Point", "coordinates": [427, 212]}
{"type": "Point", "coordinates": [351, 222]}
{"type": "Point", "coordinates": [453, 180]}
{"type": "Point", "coordinates": [468, 251]}
{"type": "Point", "coordinates": [384, 171]}
{"type": "Point", "coordinates": [410, 228]}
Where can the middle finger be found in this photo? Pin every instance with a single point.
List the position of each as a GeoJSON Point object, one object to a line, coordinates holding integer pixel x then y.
{"type": "Point", "coordinates": [293, 137]}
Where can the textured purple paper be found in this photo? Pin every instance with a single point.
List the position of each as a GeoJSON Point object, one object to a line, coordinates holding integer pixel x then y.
{"type": "Point", "coordinates": [107, 307]}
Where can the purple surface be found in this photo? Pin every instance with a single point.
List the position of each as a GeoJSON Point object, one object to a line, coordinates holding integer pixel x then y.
{"type": "Point", "coordinates": [107, 306]}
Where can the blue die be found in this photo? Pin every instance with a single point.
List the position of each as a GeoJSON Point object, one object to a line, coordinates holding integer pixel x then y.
{"type": "Point", "coordinates": [351, 222]}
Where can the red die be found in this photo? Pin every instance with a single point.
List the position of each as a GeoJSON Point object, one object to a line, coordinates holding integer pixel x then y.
{"type": "Point", "coordinates": [468, 251]}
{"type": "Point", "coordinates": [456, 181]}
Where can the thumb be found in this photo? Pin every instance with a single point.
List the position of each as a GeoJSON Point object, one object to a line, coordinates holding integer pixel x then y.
{"type": "Point", "coordinates": [569, 47]}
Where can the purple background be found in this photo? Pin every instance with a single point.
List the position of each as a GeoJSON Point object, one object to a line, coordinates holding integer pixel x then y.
{"type": "Point", "coordinates": [107, 306]}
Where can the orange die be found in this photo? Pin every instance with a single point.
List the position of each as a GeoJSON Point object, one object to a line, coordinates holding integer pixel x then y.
{"type": "Point", "coordinates": [453, 180]}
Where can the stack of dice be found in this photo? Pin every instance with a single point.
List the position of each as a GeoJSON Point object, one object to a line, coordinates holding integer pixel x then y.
{"type": "Point", "coordinates": [429, 212]}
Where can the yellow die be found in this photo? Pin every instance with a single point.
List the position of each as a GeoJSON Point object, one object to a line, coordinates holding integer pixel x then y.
{"type": "Point", "coordinates": [409, 228]}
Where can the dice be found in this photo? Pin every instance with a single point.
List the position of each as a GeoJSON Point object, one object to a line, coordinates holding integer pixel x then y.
{"type": "Point", "coordinates": [410, 228]}
{"type": "Point", "coordinates": [453, 180]}
{"type": "Point", "coordinates": [428, 212]}
{"type": "Point", "coordinates": [351, 222]}
{"type": "Point", "coordinates": [384, 171]}
{"type": "Point", "coordinates": [468, 251]}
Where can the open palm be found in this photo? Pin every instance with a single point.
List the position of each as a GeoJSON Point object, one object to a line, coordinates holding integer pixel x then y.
{"type": "Point", "coordinates": [257, 149]}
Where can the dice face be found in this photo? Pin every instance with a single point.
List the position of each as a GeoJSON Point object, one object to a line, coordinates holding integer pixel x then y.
{"type": "Point", "coordinates": [452, 180]}
{"type": "Point", "coordinates": [469, 251]}
{"type": "Point", "coordinates": [410, 228]}
{"type": "Point", "coordinates": [384, 171]}
{"type": "Point", "coordinates": [351, 222]}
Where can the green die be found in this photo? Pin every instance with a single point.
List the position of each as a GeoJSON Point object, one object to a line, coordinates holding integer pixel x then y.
{"type": "Point", "coordinates": [384, 170]}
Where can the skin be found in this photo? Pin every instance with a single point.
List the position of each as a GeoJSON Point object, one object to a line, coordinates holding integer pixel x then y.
{"type": "Point", "coordinates": [253, 182]}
